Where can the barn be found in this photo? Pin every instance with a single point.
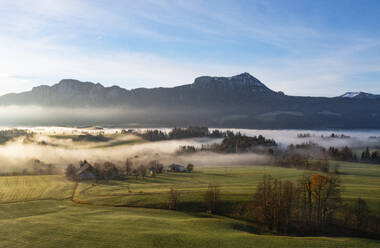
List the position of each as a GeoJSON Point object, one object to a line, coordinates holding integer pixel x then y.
{"type": "Point", "coordinates": [85, 172]}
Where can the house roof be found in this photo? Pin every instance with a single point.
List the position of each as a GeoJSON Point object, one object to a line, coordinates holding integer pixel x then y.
{"type": "Point", "coordinates": [83, 168]}
{"type": "Point", "coordinates": [176, 165]}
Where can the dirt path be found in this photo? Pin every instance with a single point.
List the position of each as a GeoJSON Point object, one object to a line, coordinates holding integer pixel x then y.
{"type": "Point", "coordinates": [74, 191]}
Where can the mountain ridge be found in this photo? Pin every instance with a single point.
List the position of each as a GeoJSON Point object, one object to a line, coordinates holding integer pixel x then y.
{"type": "Point", "coordinates": [240, 101]}
{"type": "Point", "coordinates": [95, 94]}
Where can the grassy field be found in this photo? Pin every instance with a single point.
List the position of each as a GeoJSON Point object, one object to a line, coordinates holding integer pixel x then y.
{"type": "Point", "coordinates": [27, 188]}
{"type": "Point", "coordinates": [66, 224]}
{"type": "Point", "coordinates": [236, 184]}
{"type": "Point", "coordinates": [37, 211]}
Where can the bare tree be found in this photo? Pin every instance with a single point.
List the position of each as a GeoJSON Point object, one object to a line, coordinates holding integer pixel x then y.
{"type": "Point", "coordinates": [142, 171]}
{"type": "Point", "coordinates": [70, 172]}
{"type": "Point", "coordinates": [211, 198]}
{"type": "Point", "coordinates": [326, 196]}
{"type": "Point", "coordinates": [135, 173]}
{"type": "Point", "coordinates": [305, 192]}
{"type": "Point", "coordinates": [128, 167]}
{"type": "Point", "coordinates": [110, 171]}
{"type": "Point", "coordinates": [273, 203]}
{"type": "Point", "coordinates": [173, 201]}
{"type": "Point", "coordinates": [361, 214]}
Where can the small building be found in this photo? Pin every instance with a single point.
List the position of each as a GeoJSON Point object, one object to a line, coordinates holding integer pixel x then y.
{"type": "Point", "coordinates": [176, 168]}
{"type": "Point", "coordinates": [85, 172]}
{"type": "Point", "coordinates": [152, 171]}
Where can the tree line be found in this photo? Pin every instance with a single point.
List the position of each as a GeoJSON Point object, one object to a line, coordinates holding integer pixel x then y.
{"type": "Point", "coordinates": [314, 151]}
{"type": "Point", "coordinates": [312, 205]}
{"type": "Point", "coordinates": [331, 136]}
{"type": "Point", "coordinates": [7, 135]}
{"type": "Point", "coordinates": [182, 133]}
{"type": "Point", "coordinates": [234, 143]}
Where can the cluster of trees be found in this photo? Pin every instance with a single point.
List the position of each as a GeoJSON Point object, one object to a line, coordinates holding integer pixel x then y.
{"type": "Point", "coordinates": [346, 154]}
{"type": "Point", "coordinates": [237, 143]}
{"type": "Point", "coordinates": [190, 132]}
{"type": "Point", "coordinates": [6, 135]}
{"type": "Point", "coordinates": [189, 167]}
{"type": "Point", "coordinates": [234, 143]}
{"type": "Point", "coordinates": [70, 172]}
{"type": "Point", "coordinates": [312, 205]}
{"type": "Point", "coordinates": [91, 138]}
{"type": "Point", "coordinates": [187, 149]}
{"type": "Point", "coordinates": [360, 220]}
{"type": "Point", "coordinates": [303, 162]}
{"type": "Point", "coordinates": [370, 157]}
{"type": "Point", "coordinates": [307, 156]}
{"type": "Point", "coordinates": [303, 146]}
{"type": "Point", "coordinates": [335, 136]}
{"type": "Point", "coordinates": [314, 151]}
{"type": "Point", "coordinates": [331, 136]}
{"type": "Point", "coordinates": [343, 154]}
{"type": "Point", "coordinates": [303, 135]}
{"type": "Point", "coordinates": [154, 167]}
{"type": "Point", "coordinates": [106, 171]}
{"type": "Point", "coordinates": [12, 133]}
{"type": "Point", "coordinates": [182, 133]}
{"type": "Point", "coordinates": [153, 135]}
{"type": "Point", "coordinates": [41, 168]}
{"type": "Point", "coordinates": [192, 149]}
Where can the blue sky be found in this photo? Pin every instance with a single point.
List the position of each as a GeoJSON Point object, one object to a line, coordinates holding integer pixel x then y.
{"type": "Point", "coordinates": [317, 48]}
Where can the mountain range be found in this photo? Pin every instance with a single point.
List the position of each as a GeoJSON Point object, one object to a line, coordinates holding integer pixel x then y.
{"type": "Point", "coordinates": [240, 101]}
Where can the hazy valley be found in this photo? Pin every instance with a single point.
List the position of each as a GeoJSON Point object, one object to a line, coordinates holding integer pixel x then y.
{"type": "Point", "coordinates": [189, 124]}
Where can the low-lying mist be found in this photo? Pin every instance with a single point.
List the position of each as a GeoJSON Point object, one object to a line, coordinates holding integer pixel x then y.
{"type": "Point", "coordinates": [55, 145]}
{"type": "Point", "coordinates": [17, 154]}
{"type": "Point", "coordinates": [357, 138]}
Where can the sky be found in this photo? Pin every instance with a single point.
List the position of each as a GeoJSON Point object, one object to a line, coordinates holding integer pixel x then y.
{"type": "Point", "coordinates": [316, 48]}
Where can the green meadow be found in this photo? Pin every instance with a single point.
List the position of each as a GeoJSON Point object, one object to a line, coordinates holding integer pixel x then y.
{"type": "Point", "coordinates": [236, 184]}
{"type": "Point", "coordinates": [38, 211]}
{"type": "Point", "coordinates": [65, 224]}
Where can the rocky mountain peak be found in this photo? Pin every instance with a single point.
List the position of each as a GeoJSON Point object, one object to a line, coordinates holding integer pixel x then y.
{"type": "Point", "coordinates": [76, 84]}
{"type": "Point", "coordinates": [242, 81]}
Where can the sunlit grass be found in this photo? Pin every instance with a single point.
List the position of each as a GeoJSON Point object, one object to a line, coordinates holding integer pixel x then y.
{"type": "Point", "coordinates": [56, 224]}
{"type": "Point", "coordinates": [25, 188]}
{"type": "Point", "coordinates": [236, 183]}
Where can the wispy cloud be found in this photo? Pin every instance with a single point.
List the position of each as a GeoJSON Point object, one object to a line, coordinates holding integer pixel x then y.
{"type": "Point", "coordinates": [164, 43]}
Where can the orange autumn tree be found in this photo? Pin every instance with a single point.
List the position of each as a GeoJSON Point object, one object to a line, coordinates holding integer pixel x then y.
{"type": "Point", "coordinates": [325, 197]}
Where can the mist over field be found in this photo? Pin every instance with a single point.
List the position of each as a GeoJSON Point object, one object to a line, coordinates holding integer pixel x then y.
{"type": "Point", "coordinates": [65, 151]}
{"type": "Point", "coordinates": [357, 138]}
{"type": "Point", "coordinates": [55, 145]}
